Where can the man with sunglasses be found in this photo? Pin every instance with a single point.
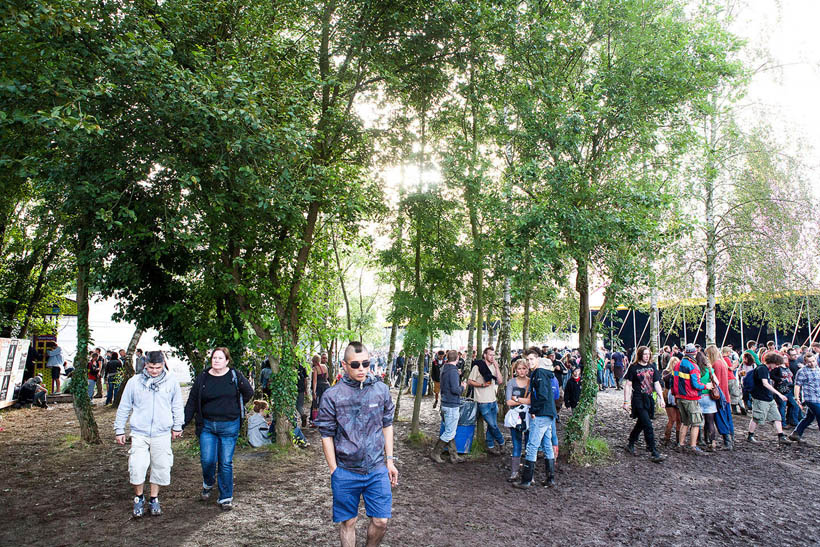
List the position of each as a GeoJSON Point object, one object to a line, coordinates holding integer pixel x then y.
{"type": "Point", "coordinates": [356, 423]}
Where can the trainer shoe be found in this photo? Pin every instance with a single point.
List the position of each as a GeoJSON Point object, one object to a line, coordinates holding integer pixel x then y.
{"type": "Point", "coordinates": [205, 495]}
{"type": "Point", "coordinates": [139, 506]}
{"type": "Point", "coordinates": [153, 505]}
{"type": "Point", "coordinates": [697, 451]}
{"type": "Point", "coordinates": [782, 439]}
{"type": "Point", "coordinates": [225, 505]}
{"type": "Point", "coordinates": [796, 438]}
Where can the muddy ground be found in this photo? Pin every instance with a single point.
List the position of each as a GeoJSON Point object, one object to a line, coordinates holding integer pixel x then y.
{"type": "Point", "coordinates": [56, 491]}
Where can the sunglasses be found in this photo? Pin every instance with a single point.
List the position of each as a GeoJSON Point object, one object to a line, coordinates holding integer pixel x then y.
{"type": "Point", "coordinates": [357, 364]}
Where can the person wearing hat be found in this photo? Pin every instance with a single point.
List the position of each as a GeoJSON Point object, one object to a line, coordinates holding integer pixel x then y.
{"type": "Point", "coordinates": [687, 387]}
{"type": "Point", "coordinates": [153, 402]}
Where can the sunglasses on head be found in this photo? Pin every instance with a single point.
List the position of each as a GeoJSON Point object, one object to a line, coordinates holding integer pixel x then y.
{"type": "Point", "coordinates": [357, 364]}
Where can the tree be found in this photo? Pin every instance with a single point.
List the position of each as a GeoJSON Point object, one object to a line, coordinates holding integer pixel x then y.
{"type": "Point", "coordinates": [593, 89]}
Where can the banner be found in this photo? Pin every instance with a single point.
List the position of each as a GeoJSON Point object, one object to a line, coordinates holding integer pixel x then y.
{"type": "Point", "coordinates": [13, 353]}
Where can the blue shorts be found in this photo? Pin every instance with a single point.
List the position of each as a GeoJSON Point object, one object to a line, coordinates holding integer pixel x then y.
{"type": "Point", "coordinates": [348, 487]}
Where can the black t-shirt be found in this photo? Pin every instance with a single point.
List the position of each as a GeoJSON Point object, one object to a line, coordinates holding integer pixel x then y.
{"type": "Point", "coordinates": [219, 401]}
{"type": "Point", "coordinates": [618, 359]}
{"type": "Point", "coordinates": [759, 392]}
{"type": "Point", "coordinates": [301, 382]}
{"type": "Point", "coordinates": [643, 378]}
{"type": "Point", "coordinates": [435, 371]}
{"type": "Point", "coordinates": [112, 367]}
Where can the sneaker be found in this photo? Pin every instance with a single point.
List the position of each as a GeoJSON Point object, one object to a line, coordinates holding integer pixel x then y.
{"type": "Point", "coordinates": [630, 449]}
{"type": "Point", "coordinates": [751, 439]}
{"type": "Point", "coordinates": [226, 505]}
{"type": "Point", "coordinates": [205, 495]}
{"type": "Point", "coordinates": [657, 457]}
{"type": "Point", "coordinates": [153, 505]}
{"type": "Point", "coordinates": [139, 506]}
{"type": "Point", "coordinates": [796, 438]}
{"type": "Point", "coordinates": [782, 439]}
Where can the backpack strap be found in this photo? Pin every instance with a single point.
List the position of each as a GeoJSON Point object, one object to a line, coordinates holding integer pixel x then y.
{"type": "Point", "coordinates": [239, 395]}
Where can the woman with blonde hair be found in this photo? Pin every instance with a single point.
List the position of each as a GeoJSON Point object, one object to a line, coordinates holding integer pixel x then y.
{"type": "Point", "coordinates": [672, 412]}
{"type": "Point", "coordinates": [723, 418]}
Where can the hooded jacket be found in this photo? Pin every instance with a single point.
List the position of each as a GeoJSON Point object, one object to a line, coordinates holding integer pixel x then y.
{"type": "Point", "coordinates": [154, 404]}
{"type": "Point", "coordinates": [354, 414]}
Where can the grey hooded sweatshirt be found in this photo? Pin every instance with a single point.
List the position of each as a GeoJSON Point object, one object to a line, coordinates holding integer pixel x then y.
{"type": "Point", "coordinates": [154, 404]}
{"type": "Point", "coordinates": [354, 414]}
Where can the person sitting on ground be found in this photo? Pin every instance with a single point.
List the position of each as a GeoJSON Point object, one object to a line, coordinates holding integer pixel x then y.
{"type": "Point", "coordinates": [764, 408]}
{"type": "Point", "coordinates": [258, 425]}
{"type": "Point", "coordinates": [152, 401]}
{"type": "Point", "coordinates": [33, 392]}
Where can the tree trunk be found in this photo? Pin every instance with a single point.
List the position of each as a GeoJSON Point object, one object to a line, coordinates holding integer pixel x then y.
{"type": "Point", "coordinates": [711, 241]}
{"type": "Point", "coordinates": [391, 352]}
{"type": "Point", "coordinates": [341, 280]}
{"type": "Point", "coordinates": [405, 372]}
{"type": "Point", "coordinates": [654, 323]}
{"type": "Point", "coordinates": [504, 341]}
{"type": "Point", "coordinates": [525, 324]}
{"type": "Point", "coordinates": [128, 366]}
{"type": "Point", "coordinates": [490, 328]}
{"type": "Point", "coordinates": [414, 424]}
{"type": "Point", "coordinates": [79, 382]}
{"type": "Point", "coordinates": [577, 432]}
{"type": "Point", "coordinates": [468, 359]}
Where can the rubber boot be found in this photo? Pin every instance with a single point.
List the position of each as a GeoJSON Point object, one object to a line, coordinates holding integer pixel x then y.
{"type": "Point", "coordinates": [304, 422]}
{"type": "Point", "coordinates": [526, 475]}
{"type": "Point", "coordinates": [549, 467]}
{"type": "Point", "coordinates": [728, 444]}
{"type": "Point", "coordinates": [435, 453]}
{"type": "Point", "coordinates": [515, 464]}
{"type": "Point", "coordinates": [454, 457]}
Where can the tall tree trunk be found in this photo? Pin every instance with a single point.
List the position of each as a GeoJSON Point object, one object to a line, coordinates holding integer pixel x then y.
{"type": "Point", "coordinates": [525, 323]}
{"type": "Point", "coordinates": [341, 280]}
{"type": "Point", "coordinates": [79, 382]}
{"type": "Point", "coordinates": [414, 425]}
{"type": "Point", "coordinates": [128, 366]}
{"type": "Point", "coordinates": [654, 323]}
{"type": "Point", "coordinates": [37, 294]}
{"type": "Point", "coordinates": [468, 359]}
{"type": "Point", "coordinates": [391, 352]}
{"type": "Point", "coordinates": [578, 428]}
{"type": "Point", "coordinates": [711, 239]}
{"type": "Point", "coordinates": [504, 341]}
{"type": "Point", "coordinates": [490, 329]}
{"type": "Point", "coordinates": [407, 366]}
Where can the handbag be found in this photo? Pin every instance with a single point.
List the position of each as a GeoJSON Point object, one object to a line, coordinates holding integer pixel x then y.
{"type": "Point", "coordinates": [714, 393]}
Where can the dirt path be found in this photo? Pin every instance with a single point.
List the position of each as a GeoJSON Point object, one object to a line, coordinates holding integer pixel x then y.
{"type": "Point", "coordinates": [55, 491]}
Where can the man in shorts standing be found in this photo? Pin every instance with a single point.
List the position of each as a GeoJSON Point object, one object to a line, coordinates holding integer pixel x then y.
{"type": "Point", "coordinates": [356, 423]}
{"type": "Point", "coordinates": [686, 388]}
{"type": "Point", "coordinates": [764, 407]}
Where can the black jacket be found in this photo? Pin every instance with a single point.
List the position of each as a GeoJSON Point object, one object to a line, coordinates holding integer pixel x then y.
{"type": "Point", "coordinates": [244, 393]}
{"type": "Point", "coordinates": [572, 393]}
{"type": "Point", "coordinates": [541, 395]}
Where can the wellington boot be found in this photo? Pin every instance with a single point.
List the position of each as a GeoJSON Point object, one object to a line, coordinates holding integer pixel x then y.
{"type": "Point", "coordinates": [304, 422]}
{"type": "Point", "coordinates": [527, 469]}
{"type": "Point", "coordinates": [728, 442]}
{"type": "Point", "coordinates": [549, 467]}
{"type": "Point", "coordinates": [454, 457]}
{"type": "Point", "coordinates": [435, 453]}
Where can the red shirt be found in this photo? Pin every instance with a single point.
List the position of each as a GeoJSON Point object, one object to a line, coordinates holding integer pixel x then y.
{"type": "Point", "coordinates": [731, 370]}
{"type": "Point", "coordinates": [722, 376]}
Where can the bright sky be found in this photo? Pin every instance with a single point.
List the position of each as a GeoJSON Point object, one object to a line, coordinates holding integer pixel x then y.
{"type": "Point", "coordinates": [789, 96]}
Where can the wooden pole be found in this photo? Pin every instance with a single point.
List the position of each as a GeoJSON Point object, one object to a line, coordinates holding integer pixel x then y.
{"type": "Point", "coordinates": [624, 323]}
{"type": "Point", "coordinates": [648, 319]}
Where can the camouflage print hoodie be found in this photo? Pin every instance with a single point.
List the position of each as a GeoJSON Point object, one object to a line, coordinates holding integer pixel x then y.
{"type": "Point", "coordinates": [354, 413]}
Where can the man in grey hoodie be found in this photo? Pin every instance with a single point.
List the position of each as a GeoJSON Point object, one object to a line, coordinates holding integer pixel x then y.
{"type": "Point", "coordinates": [356, 423]}
{"type": "Point", "coordinates": [153, 400]}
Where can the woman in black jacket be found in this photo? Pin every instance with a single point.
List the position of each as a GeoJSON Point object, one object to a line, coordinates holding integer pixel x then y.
{"type": "Point", "coordinates": [217, 399]}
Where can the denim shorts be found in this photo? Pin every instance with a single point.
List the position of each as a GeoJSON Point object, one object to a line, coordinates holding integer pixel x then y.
{"type": "Point", "coordinates": [348, 487]}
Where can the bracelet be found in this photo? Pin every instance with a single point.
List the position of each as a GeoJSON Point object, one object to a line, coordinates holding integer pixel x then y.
{"type": "Point", "coordinates": [391, 457]}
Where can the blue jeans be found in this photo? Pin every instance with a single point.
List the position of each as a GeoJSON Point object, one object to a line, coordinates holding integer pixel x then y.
{"type": "Point", "coordinates": [489, 411]}
{"type": "Point", "coordinates": [519, 439]}
{"type": "Point", "coordinates": [601, 378]}
{"type": "Point", "coordinates": [609, 378]}
{"type": "Point", "coordinates": [111, 393]}
{"type": "Point", "coordinates": [540, 437]}
{"type": "Point", "coordinates": [554, 437]}
{"type": "Point", "coordinates": [216, 445]}
{"type": "Point", "coordinates": [789, 412]}
{"type": "Point", "coordinates": [812, 413]}
{"type": "Point", "coordinates": [91, 385]}
{"type": "Point", "coordinates": [449, 418]}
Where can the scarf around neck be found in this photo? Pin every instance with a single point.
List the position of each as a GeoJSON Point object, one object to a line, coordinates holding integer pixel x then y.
{"type": "Point", "coordinates": [152, 383]}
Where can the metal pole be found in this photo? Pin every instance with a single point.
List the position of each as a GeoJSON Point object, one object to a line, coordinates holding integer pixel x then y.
{"type": "Point", "coordinates": [742, 337]}
{"type": "Point", "coordinates": [799, 316]}
{"type": "Point", "coordinates": [634, 332]}
{"type": "Point", "coordinates": [624, 323]}
{"type": "Point", "coordinates": [697, 332]}
{"type": "Point", "coordinates": [672, 326]}
{"type": "Point", "coordinates": [728, 326]}
{"type": "Point", "coordinates": [644, 330]}
{"type": "Point", "coordinates": [684, 327]}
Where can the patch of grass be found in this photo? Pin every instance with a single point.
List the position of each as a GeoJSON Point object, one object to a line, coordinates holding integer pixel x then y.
{"type": "Point", "coordinates": [418, 440]}
{"type": "Point", "coordinates": [188, 446]}
{"type": "Point", "coordinates": [596, 452]}
{"type": "Point", "coordinates": [72, 441]}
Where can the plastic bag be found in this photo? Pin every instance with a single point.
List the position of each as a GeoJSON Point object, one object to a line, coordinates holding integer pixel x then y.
{"type": "Point", "coordinates": [468, 412]}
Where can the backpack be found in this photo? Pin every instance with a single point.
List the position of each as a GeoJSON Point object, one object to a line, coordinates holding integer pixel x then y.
{"type": "Point", "coordinates": [749, 380]}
